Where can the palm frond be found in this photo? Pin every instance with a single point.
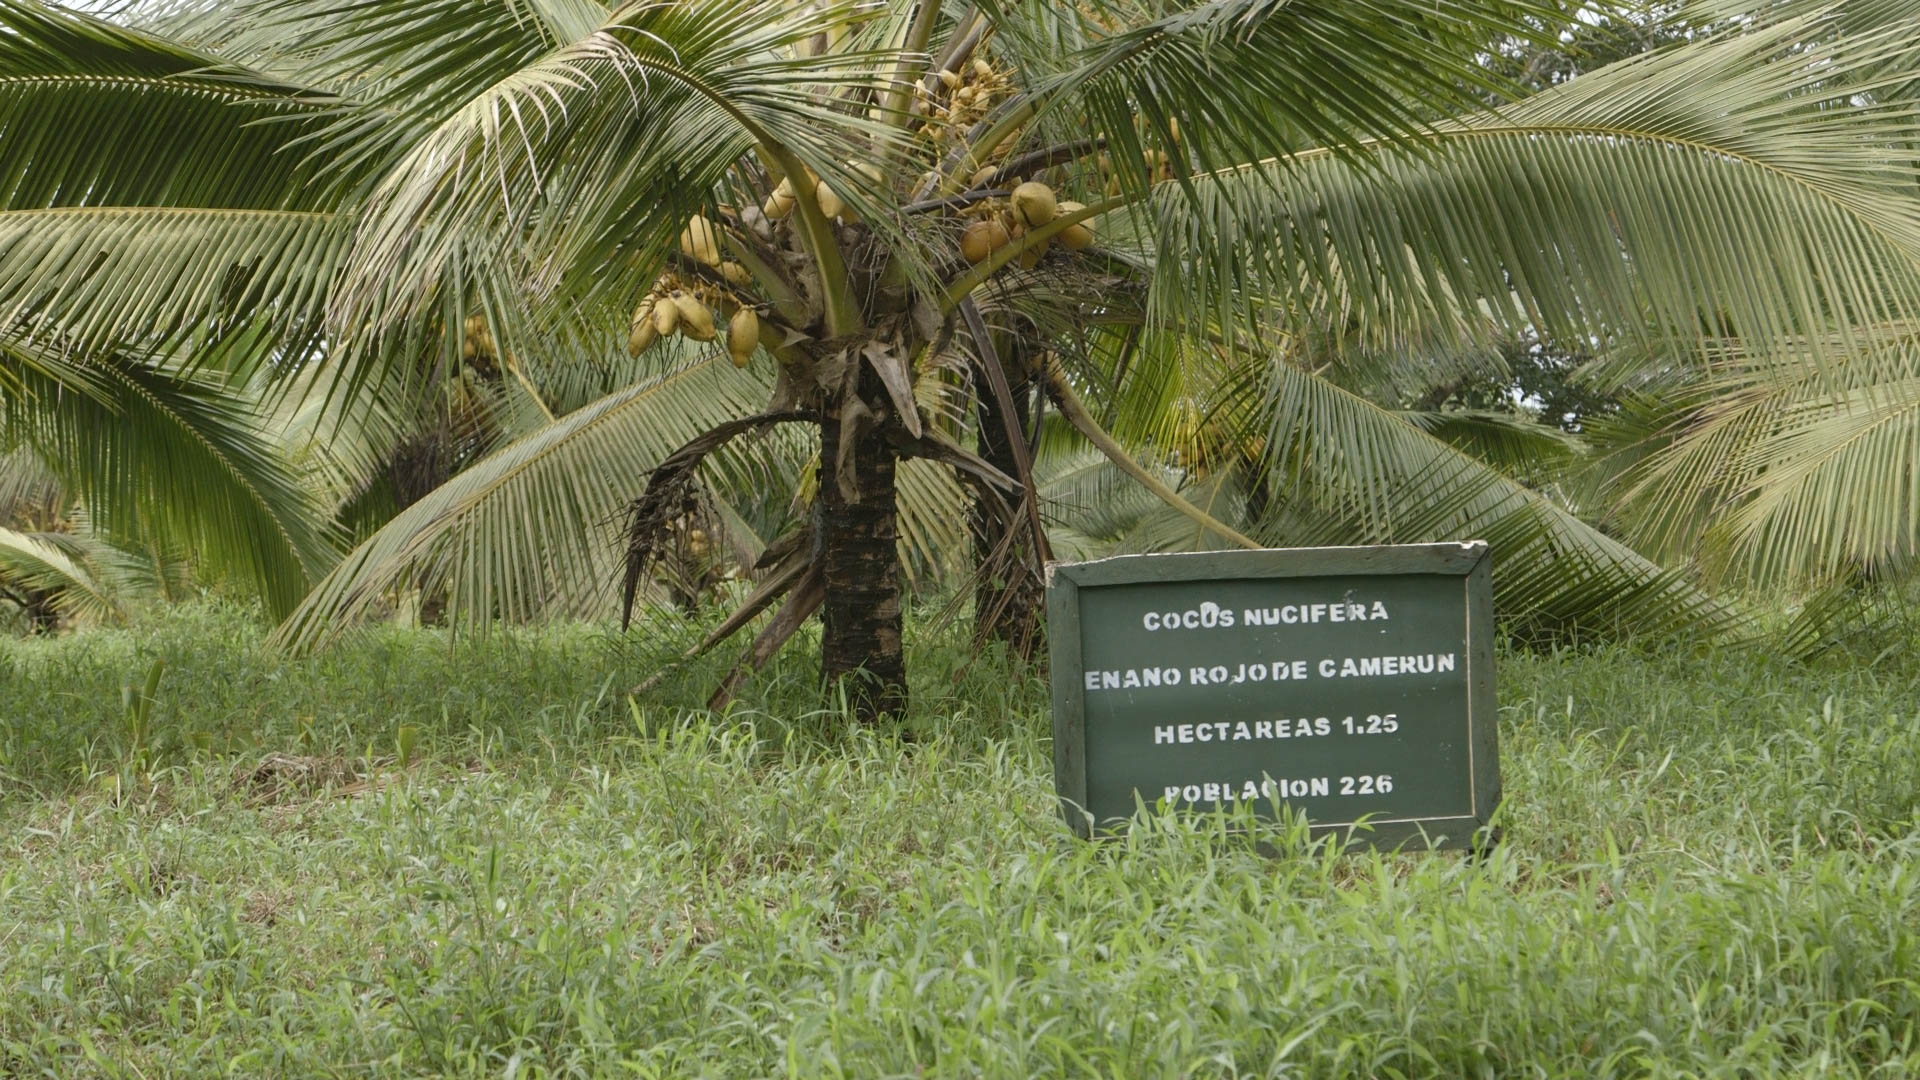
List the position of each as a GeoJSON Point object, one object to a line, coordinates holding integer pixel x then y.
{"type": "Point", "coordinates": [934, 509]}
{"type": "Point", "coordinates": [1848, 614]}
{"type": "Point", "coordinates": [531, 529]}
{"type": "Point", "coordinates": [1363, 475]}
{"type": "Point", "coordinates": [419, 58]}
{"type": "Point", "coordinates": [569, 177]}
{"type": "Point", "coordinates": [78, 577]}
{"type": "Point", "coordinates": [160, 279]}
{"type": "Point", "coordinates": [1731, 187]}
{"type": "Point", "coordinates": [1093, 509]}
{"type": "Point", "coordinates": [159, 455]}
{"type": "Point", "coordinates": [98, 114]}
{"type": "Point", "coordinates": [1788, 481]}
{"type": "Point", "coordinates": [1248, 79]}
{"type": "Point", "coordinates": [1517, 445]}
{"type": "Point", "coordinates": [27, 487]}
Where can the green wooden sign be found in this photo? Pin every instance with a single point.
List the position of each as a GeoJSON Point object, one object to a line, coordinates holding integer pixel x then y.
{"type": "Point", "coordinates": [1347, 683]}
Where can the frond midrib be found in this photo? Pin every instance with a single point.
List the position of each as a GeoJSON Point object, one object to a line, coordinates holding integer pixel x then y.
{"type": "Point", "coordinates": [186, 211]}
{"type": "Point", "coordinates": [92, 80]}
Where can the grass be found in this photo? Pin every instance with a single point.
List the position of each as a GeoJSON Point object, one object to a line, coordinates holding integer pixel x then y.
{"type": "Point", "coordinates": [410, 857]}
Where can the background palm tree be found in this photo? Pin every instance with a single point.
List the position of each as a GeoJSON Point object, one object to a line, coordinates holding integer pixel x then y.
{"type": "Point", "coordinates": [372, 205]}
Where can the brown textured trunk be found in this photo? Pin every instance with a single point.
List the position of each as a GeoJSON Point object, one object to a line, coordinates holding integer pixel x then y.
{"type": "Point", "coordinates": [861, 646]}
{"type": "Point", "coordinates": [1006, 597]}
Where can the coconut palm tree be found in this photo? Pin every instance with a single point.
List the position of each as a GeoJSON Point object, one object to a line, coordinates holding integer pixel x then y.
{"type": "Point", "coordinates": [884, 214]}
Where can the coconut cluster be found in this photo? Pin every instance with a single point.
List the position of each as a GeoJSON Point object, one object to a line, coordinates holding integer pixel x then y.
{"type": "Point", "coordinates": [950, 102]}
{"type": "Point", "coordinates": [780, 204]}
{"type": "Point", "coordinates": [1030, 206]}
{"type": "Point", "coordinates": [677, 305]}
{"type": "Point", "coordinates": [700, 241]}
{"type": "Point", "coordinates": [680, 307]}
{"type": "Point", "coordinates": [479, 339]}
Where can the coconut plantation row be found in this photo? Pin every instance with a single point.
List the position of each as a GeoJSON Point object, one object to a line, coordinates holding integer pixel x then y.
{"type": "Point", "coordinates": [924, 537]}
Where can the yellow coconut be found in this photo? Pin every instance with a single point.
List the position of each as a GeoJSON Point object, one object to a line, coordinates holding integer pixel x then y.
{"type": "Point", "coordinates": [642, 338]}
{"type": "Point", "coordinates": [1034, 204]}
{"type": "Point", "coordinates": [701, 241]}
{"type": "Point", "coordinates": [982, 69]}
{"type": "Point", "coordinates": [982, 239]}
{"type": "Point", "coordinates": [949, 79]}
{"type": "Point", "coordinates": [743, 336]}
{"type": "Point", "coordinates": [780, 203]}
{"type": "Point", "coordinates": [666, 318]}
{"type": "Point", "coordinates": [736, 275]}
{"type": "Point", "coordinates": [695, 320]}
{"type": "Point", "coordinates": [830, 203]}
{"type": "Point", "coordinates": [1079, 235]}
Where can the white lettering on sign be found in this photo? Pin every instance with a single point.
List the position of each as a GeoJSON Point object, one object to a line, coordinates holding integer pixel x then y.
{"type": "Point", "coordinates": [1217, 791]}
{"type": "Point", "coordinates": [1369, 666]}
{"type": "Point", "coordinates": [1208, 616]}
{"type": "Point", "coordinates": [1303, 727]}
{"type": "Point", "coordinates": [1293, 614]}
{"type": "Point", "coordinates": [1260, 671]}
{"type": "Point", "coordinates": [1131, 678]}
{"type": "Point", "coordinates": [1212, 616]}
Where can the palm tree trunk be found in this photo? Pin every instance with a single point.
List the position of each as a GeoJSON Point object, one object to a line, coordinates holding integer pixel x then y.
{"type": "Point", "coordinates": [860, 565]}
{"type": "Point", "coordinates": [1006, 596]}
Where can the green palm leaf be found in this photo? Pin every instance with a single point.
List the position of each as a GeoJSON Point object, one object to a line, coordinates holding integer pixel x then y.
{"type": "Point", "coordinates": [81, 577]}
{"type": "Point", "coordinates": [1361, 474]}
{"type": "Point", "coordinates": [157, 278]}
{"type": "Point", "coordinates": [1734, 185]}
{"type": "Point", "coordinates": [530, 529]}
{"type": "Point", "coordinates": [1778, 472]}
{"type": "Point", "coordinates": [595, 154]}
{"type": "Point", "coordinates": [151, 194]}
{"type": "Point", "coordinates": [1248, 79]}
{"type": "Point", "coordinates": [1514, 444]}
{"type": "Point", "coordinates": [157, 455]}
{"type": "Point", "coordinates": [97, 114]}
